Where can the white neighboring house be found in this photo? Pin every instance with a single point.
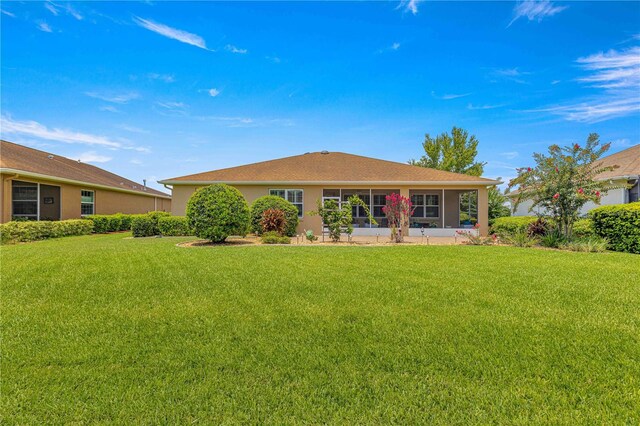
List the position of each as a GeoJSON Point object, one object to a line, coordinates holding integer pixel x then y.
{"type": "Point", "coordinates": [628, 173]}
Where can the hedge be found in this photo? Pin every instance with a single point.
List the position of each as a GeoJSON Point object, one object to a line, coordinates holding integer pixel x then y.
{"type": "Point", "coordinates": [110, 223]}
{"type": "Point", "coordinates": [14, 231]}
{"type": "Point", "coordinates": [583, 228]}
{"type": "Point", "coordinates": [146, 225]}
{"type": "Point", "coordinates": [174, 226]}
{"type": "Point", "coordinates": [619, 224]}
{"type": "Point", "coordinates": [272, 202]}
{"type": "Point", "coordinates": [510, 225]}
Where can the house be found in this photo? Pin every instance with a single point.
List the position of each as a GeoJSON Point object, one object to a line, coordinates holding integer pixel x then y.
{"type": "Point", "coordinates": [305, 179]}
{"type": "Point", "coordinates": [626, 176]}
{"type": "Point", "coordinates": [38, 185]}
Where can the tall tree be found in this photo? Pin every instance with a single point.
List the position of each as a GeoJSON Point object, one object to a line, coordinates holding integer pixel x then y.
{"type": "Point", "coordinates": [455, 152]}
{"type": "Point", "coordinates": [497, 204]}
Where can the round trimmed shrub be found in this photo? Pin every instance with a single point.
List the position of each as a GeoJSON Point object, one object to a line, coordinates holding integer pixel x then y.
{"type": "Point", "coordinates": [217, 211]}
{"type": "Point", "coordinates": [272, 202]}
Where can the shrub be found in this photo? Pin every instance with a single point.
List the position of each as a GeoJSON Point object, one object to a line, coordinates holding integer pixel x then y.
{"type": "Point", "coordinates": [12, 232]}
{"type": "Point", "coordinates": [273, 220]}
{"type": "Point", "coordinates": [583, 228]}
{"type": "Point", "coordinates": [552, 239]}
{"type": "Point", "coordinates": [272, 237]}
{"type": "Point", "coordinates": [217, 211]}
{"type": "Point", "coordinates": [110, 223]}
{"type": "Point", "coordinates": [146, 225]}
{"type": "Point", "coordinates": [520, 238]}
{"type": "Point", "coordinates": [619, 224]}
{"type": "Point", "coordinates": [509, 225]}
{"type": "Point", "coordinates": [262, 204]}
{"type": "Point", "coordinates": [590, 245]}
{"type": "Point", "coordinates": [174, 226]}
{"type": "Point", "coordinates": [538, 228]}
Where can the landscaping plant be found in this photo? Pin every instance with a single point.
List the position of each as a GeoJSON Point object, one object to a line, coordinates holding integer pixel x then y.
{"type": "Point", "coordinates": [475, 239]}
{"type": "Point", "coordinates": [272, 202]}
{"type": "Point", "coordinates": [398, 211]}
{"type": "Point", "coordinates": [218, 211]}
{"type": "Point", "coordinates": [273, 237]}
{"type": "Point", "coordinates": [619, 224]}
{"type": "Point", "coordinates": [339, 218]}
{"type": "Point", "coordinates": [563, 181]}
{"type": "Point", "coordinates": [273, 220]}
{"type": "Point", "coordinates": [174, 226]}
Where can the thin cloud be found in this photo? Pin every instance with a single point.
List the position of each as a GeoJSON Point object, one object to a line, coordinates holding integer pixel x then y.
{"type": "Point", "coordinates": [167, 78]}
{"type": "Point", "coordinates": [122, 98]}
{"type": "Point", "coordinates": [613, 69]}
{"type": "Point", "coordinates": [37, 130]}
{"type": "Point", "coordinates": [409, 6]}
{"type": "Point", "coordinates": [483, 107]}
{"type": "Point", "coordinates": [71, 11]}
{"type": "Point", "coordinates": [172, 33]}
{"type": "Point", "coordinates": [51, 8]}
{"type": "Point", "coordinates": [535, 10]}
{"type": "Point", "coordinates": [109, 108]}
{"type": "Point", "coordinates": [595, 110]}
{"type": "Point", "coordinates": [43, 26]}
{"type": "Point", "coordinates": [213, 92]}
{"type": "Point", "coordinates": [132, 129]}
{"type": "Point", "coordinates": [233, 49]}
{"type": "Point", "coordinates": [509, 155]}
{"type": "Point", "coordinates": [394, 47]}
{"type": "Point", "coordinates": [449, 96]}
{"type": "Point", "coordinates": [93, 157]}
{"type": "Point", "coordinates": [513, 74]}
{"type": "Point", "coordinates": [6, 12]}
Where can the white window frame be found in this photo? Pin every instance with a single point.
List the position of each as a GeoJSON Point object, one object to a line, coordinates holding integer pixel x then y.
{"type": "Point", "coordinates": [93, 203]}
{"type": "Point", "coordinates": [37, 200]}
{"type": "Point", "coordinates": [424, 205]}
{"type": "Point", "coordinates": [286, 197]}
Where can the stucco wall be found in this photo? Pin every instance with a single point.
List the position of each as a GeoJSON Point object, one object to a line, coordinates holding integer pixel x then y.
{"type": "Point", "coordinates": [615, 196]}
{"type": "Point", "coordinates": [106, 202]}
{"type": "Point", "coordinates": [181, 194]}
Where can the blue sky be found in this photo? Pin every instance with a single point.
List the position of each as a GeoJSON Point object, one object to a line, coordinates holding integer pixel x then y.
{"type": "Point", "coordinates": [152, 90]}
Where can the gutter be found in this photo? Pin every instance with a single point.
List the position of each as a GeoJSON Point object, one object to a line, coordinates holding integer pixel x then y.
{"type": "Point", "coordinates": [332, 183]}
{"type": "Point", "coordinates": [19, 173]}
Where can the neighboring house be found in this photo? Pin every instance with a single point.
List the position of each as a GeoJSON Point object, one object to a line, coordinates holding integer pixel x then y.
{"type": "Point", "coordinates": [304, 179]}
{"type": "Point", "coordinates": [626, 176]}
{"type": "Point", "coordinates": [38, 185]}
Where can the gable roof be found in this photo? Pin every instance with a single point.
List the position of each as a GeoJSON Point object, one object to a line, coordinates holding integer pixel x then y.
{"type": "Point", "coordinates": [329, 167]}
{"type": "Point", "coordinates": [628, 161]}
{"type": "Point", "coordinates": [20, 159]}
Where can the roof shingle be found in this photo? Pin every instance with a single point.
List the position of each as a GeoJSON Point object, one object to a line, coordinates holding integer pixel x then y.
{"type": "Point", "coordinates": [19, 157]}
{"type": "Point", "coordinates": [628, 161]}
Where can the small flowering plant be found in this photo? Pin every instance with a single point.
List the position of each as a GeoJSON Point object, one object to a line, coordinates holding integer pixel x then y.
{"type": "Point", "coordinates": [563, 181]}
{"type": "Point", "coordinates": [398, 210]}
{"type": "Point", "coordinates": [474, 238]}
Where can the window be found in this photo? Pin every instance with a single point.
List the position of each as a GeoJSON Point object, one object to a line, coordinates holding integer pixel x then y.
{"type": "Point", "coordinates": [87, 202]}
{"type": "Point", "coordinates": [379, 201]}
{"type": "Point", "coordinates": [426, 206]}
{"type": "Point", "coordinates": [24, 196]}
{"type": "Point", "coordinates": [294, 196]}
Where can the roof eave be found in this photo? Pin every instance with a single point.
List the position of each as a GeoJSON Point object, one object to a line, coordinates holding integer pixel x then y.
{"type": "Point", "coordinates": [314, 183]}
{"type": "Point", "coordinates": [78, 182]}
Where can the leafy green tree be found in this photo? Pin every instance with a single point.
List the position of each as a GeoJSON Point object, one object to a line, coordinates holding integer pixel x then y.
{"type": "Point", "coordinates": [339, 218]}
{"type": "Point", "coordinates": [455, 152]}
{"type": "Point", "coordinates": [563, 181]}
{"type": "Point", "coordinates": [497, 204]}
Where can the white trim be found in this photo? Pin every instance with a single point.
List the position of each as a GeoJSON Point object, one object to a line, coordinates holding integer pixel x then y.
{"type": "Point", "coordinates": [286, 190]}
{"type": "Point", "coordinates": [76, 182]}
{"type": "Point", "coordinates": [485, 183]}
{"type": "Point", "coordinates": [93, 203]}
{"type": "Point", "coordinates": [37, 200]}
{"type": "Point", "coordinates": [413, 232]}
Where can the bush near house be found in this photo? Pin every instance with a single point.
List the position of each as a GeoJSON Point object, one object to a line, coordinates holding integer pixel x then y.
{"type": "Point", "coordinates": [19, 231]}
{"type": "Point", "coordinates": [146, 225]}
{"type": "Point", "coordinates": [103, 224]}
{"type": "Point", "coordinates": [619, 224]}
{"type": "Point", "coordinates": [267, 202]}
{"type": "Point", "coordinates": [511, 225]}
{"type": "Point", "coordinates": [583, 228]}
{"type": "Point", "coordinates": [218, 211]}
{"type": "Point", "coordinates": [174, 226]}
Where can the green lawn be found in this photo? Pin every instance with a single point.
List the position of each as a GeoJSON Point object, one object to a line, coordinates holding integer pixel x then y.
{"type": "Point", "coordinates": [103, 329]}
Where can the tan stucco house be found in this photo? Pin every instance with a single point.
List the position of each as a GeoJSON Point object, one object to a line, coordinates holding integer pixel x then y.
{"type": "Point", "coordinates": [39, 185]}
{"type": "Point", "coordinates": [304, 179]}
{"type": "Point", "coordinates": [625, 177]}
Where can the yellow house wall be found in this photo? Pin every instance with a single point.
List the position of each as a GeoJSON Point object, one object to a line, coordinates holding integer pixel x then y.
{"type": "Point", "coordinates": [181, 194]}
{"type": "Point", "coordinates": [106, 202]}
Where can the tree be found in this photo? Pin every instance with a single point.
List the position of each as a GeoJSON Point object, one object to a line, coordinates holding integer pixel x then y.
{"type": "Point", "coordinates": [563, 181]}
{"type": "Point", "coordinates": [339, 218]}
{"type": "Point", "coordinates": [398, 211]}
{"type": "Point", "coordinates": [497, 204]}
{"type": "Point", "coordinates": [454, 153]}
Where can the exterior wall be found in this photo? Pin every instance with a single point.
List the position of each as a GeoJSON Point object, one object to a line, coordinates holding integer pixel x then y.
{"type": "Point", "coordinates": [614, 196]}
{"type": "Point", "coordinates": [181, 194]}
{"type": "Point", "coordinates": [106, 202]}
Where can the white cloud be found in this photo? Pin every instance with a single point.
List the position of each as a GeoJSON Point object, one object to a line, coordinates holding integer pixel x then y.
{"type": "Point", "coordinates": [173, 33]}
{"type": "Point", "coordinates": [509, 155]}
{"type": "Point", "coordinates": [135, 161]}
{"type": "Point", "coordinates": [395, 46]}
{"type": "Point", "coordinates": [213, 92]}
{"type": "Point", "coordinates": [409, 6]}
{"type": "Point", "coordinates": [167, 78]}
{"type": "Point", "coordinates": [51, 8]}
{"type": "Point", "coordinates": [132, 129]}
{"type": "Point", "coordinates": [274, 59]}
{"type": "Point", "coordinates": [35, 129]}
{"type": "Point", "coordinates": [43, 26]}
{"type": "Point", "coordinates": [93, 157]}
{"type": "Point", "coordinates": [535, 10]}
{"type": "Point", "coordinates": [122, 98]}
{"type": "Point", "coordinates": [613, 69]}
{"type": "Point", "coordinates": [595, 110]}
{"type": "Point", "coordinates": [233, 49]}
{"type": "Point", "coordinates": [449, 96]}
{"type": "Point", "coordinates": [71, 11]}
{"type": "Point", "coordinates": [483, 107]}
{"type": "Point", "coordinates": [171, 105]}
{"type": "Point", "coordinates": [6, 12]}
{"type": "Point", "coordinates": [109, 108]}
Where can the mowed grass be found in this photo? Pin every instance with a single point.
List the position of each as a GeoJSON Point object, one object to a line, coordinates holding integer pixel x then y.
{"type": "Point", "coordinates": [103, 329]}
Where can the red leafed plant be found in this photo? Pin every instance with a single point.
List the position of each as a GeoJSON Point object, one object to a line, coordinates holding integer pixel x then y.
{"type": "Point", "coordinates": [273, 220]}
{"type": "Point", "coordinates": [398, 211]}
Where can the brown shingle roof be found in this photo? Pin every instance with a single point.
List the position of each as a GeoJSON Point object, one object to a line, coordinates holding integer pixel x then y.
{"type": "Point", "coordinates": [22, 158]}
{"type": "Point", "coordinates": [627, 160]}
{"type": "Point", "coordinates": [328, 167]}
